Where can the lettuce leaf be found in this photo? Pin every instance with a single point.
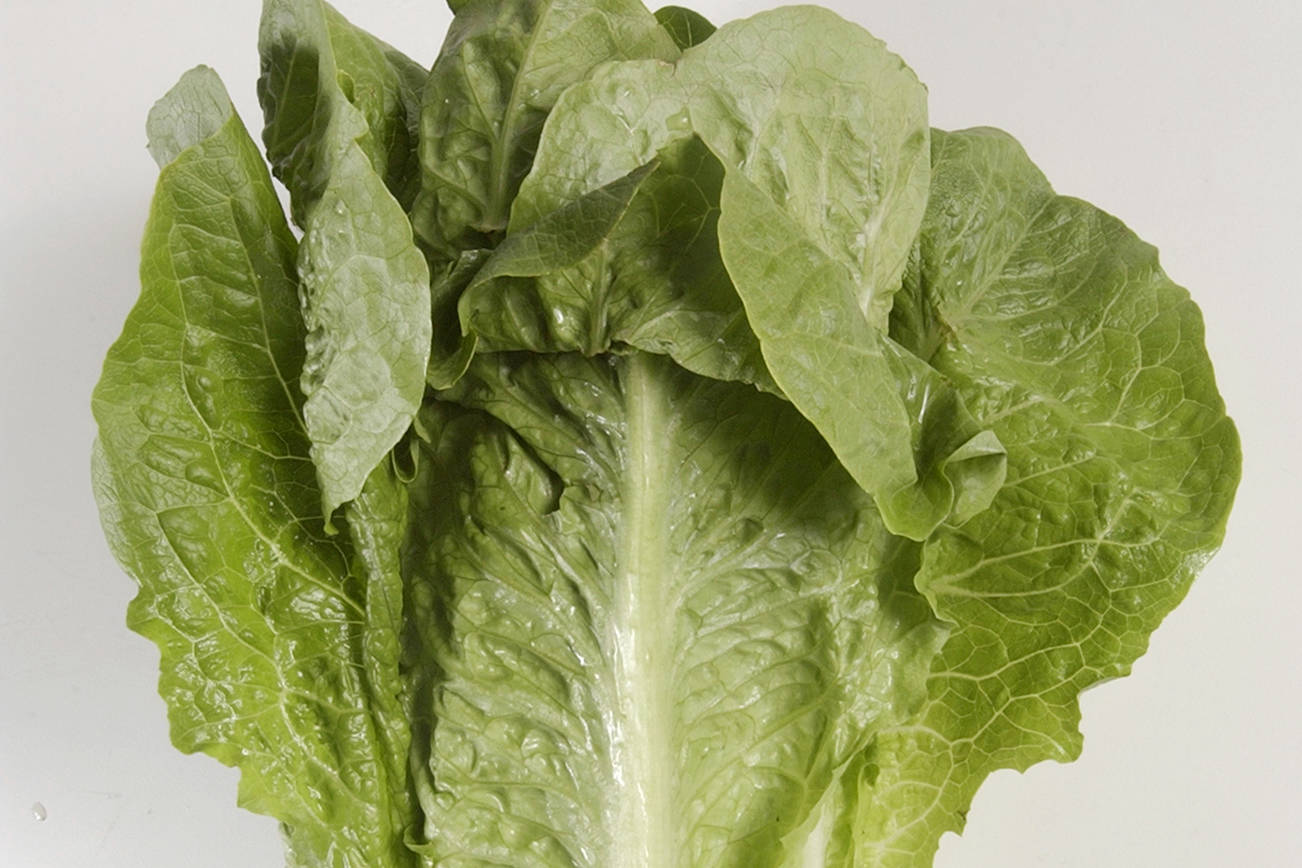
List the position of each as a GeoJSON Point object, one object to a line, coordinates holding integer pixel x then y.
{"type": "Point", "coordinates": [1064, 334]}
{"type": "Point", "coordinates": [503, 66]}
{"type": "Point", "coordinates": [364, 284]}
{"type": "Point", "coordinates": [278, 642]}
{"type": "Point", "coordinates": [624, 677]}
{"type": "Point", "coordinates": [660, 449]}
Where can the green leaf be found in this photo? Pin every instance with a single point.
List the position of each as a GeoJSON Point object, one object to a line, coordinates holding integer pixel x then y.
{"type": "Point", "coordinates": [196, 109]}
{"type": "Point", "coordinates": [894, 423]}
{"type": "Point", "coordinates": [276, 657]}
{"type": "Point", "coordinates": [820, 117]}
{"type": "Point", "coordinates": [736, 475]}
{"type": "Point", "coordinates": [656, 282]}
{"type": "Point", "coordinates": [452, 349]}
{"type": "Point", "coordinates": [810, 108]}
{"type": "Point", "coordinates": [386, 86]}
{"type": "Point", "coordinates": [366, 297]}
{"type": "Point", "coordinates": [480, 286]}
{"type": "Point", "coordinates": [662, 620]}
{"type": "Point", "coordinates": [1066, 338]}
{"type": "Point", "coordinates": [378, 80]}
{"type": "Point", "coordinates": [567, 235]}
{"type": "Point", "coordinates": [377, 526]}
{"type": "Point", "coordinates": [664, 288]}
{"type": "Point", "coordinates": [814, 241]}
{"type": "Point", "coordinates": [554, 243]}
{"type": "Point", "coordinates": [687, 27]}
{"type": "Point", "coordinates": [503, 66]}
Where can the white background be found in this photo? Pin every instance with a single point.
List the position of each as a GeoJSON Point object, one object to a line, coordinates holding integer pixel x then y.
{"type": "Point", "coordinates": [1181, 117]}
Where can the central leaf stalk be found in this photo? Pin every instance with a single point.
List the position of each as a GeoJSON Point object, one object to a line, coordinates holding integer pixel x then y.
{"type": "Point", "coordinates": [644, 833]}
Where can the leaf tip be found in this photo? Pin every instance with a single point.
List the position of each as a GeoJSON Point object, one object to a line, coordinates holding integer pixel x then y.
{"type": "Point", "coordinates": [194, 109]}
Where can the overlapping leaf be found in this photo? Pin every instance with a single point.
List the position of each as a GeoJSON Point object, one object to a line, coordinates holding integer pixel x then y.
{"type": "Point", "coordinates": [687, 27]}
{"type": "Point", "coordinates": [653, 279]}
{"type": "Point", "coordinates": [365, 285]}
{"type": "Point", "coordinates": [609, 604]}
{"type": "Point", "coordinates": [663, 619]}
{"type": "Point", "coordinates": [553, 244]}
{"type": "Point", "coordinates": [1067, 339]}
{"type": "Point", "coordinates": [503, 66]}
{"type": "Point", "coordinates": [821, 134]}
{"type": "Point", "coordinates": [278, 643]}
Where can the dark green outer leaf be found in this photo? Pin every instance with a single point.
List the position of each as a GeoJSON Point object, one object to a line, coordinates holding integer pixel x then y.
{"type": "Point", "coordinates": [273, 651]}
{"type": "Point", "coordinates": [377, 526]}
{"type": "Point", "coordinates": [386, 86]}
{"type": "Point", "coordinates": [365, 284]}
{"type": "Point", "coordinates": [687, 27]}
{"type": "Point", "coordinates": [1065, 337]}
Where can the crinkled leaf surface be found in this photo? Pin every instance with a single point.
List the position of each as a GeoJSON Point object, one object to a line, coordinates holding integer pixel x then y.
{"type": "Point", "coordinates": [502, 68]}
{"type": "Point", "coordinates": [382, 83]}
{"type": "Point", "coordinates": [894, 422]}
{"type": "Point", "coordinates": [607, 604]}
{"type": "Point", "coordinates": [662, 621]}
{"type": "Point", "coordinates": [655, 281]}
{"type": "Point", "coordinates": [365, 285]}
{"type": "Point", "coordinates": [566, 236]}
{"type": "Point", "coordinates": [832, 127]}
{"type": "Point", "coordinates": [278, 643]}
{"type": "Point", "coordinates": [552, 244]}
{"type": "Point", "coordinates": [822, 136]}
{"type": "Point", "coordinates": [1068, 341]}
{"type": "Point", "coordinates": [810, 108]}
{"type": "Point", "coordinates": [386, 86]}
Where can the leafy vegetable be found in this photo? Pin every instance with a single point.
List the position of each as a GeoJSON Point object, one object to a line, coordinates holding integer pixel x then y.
{"type": "Point", "coordinates": [659, 449]}
{"type": "Point", "coordinates": [271, 631]}
{"type": "Point", "coordinates": [360, 272]}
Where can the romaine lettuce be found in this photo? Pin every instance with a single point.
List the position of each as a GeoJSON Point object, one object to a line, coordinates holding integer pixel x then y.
{"type": "Point", "coordinates": [658, 449]}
